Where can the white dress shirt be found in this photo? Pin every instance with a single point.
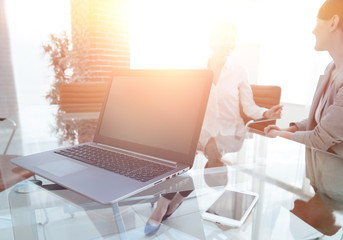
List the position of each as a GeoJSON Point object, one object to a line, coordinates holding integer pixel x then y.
{"type": "Point", "coordinates": [223, 120]}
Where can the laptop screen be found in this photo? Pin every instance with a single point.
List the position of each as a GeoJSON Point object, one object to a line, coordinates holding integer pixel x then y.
{"type": "Point", "coordinates": [155, 112]}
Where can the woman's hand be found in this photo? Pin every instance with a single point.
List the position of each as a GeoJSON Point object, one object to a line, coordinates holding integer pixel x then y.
{"type": "Point", "coordinates": [272, 131]}
{"type": "Point", "coordinates": [274, 112]}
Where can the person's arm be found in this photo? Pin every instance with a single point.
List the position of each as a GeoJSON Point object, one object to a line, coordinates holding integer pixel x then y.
{"type": "Point", "coordinates": [275, 131]}
{"type": "Point", "coordinates": [274, 112]}
{"type": "Point", "coordinates": [327, 133]}
{"type": "Point", "coordinates": [249, 106]}
{"type": "Point", "coordinates": [329, 130]}
{"type": "Point", "coordinates": [247, 100]}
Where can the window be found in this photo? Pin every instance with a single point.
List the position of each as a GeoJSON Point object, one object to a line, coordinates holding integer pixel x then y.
{"type": "Point", "coordinates": [275, 41]}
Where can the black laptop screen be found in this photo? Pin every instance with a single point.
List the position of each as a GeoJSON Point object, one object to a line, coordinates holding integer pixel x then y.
{"type": "Point", "coordinates": [155, 112]}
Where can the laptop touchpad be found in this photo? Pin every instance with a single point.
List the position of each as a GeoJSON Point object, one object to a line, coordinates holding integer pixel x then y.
{"type": "Point", "coordinates": [62, 168]}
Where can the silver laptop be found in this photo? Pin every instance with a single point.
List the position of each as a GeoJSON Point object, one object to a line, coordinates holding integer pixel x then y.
{"type": "Point", "coordinates": [147, 132]}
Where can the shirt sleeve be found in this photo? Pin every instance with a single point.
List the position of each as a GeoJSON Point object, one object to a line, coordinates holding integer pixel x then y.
{"type": "Point", "coordinates": [329, 130]}
{"type": "Point", "coordinates": [246, 98]}
{"type": "Point", "coordinates": [301, 125]}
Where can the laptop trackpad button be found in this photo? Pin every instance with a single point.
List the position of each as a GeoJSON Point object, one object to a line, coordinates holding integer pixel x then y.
{"type": "Point", "coordinates": [62, 168]}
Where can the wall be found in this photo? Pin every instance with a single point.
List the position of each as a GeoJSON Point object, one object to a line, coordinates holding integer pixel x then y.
{"type": "Point", "coordinates": [8, 95]}
{"type": "Point", "coordinates": [292, 113]}
{"type": "Point", "coordinates": [101, 29]}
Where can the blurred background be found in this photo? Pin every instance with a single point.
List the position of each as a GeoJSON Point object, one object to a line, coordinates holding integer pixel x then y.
{"type": "Point", "coordinates": [44, 42]}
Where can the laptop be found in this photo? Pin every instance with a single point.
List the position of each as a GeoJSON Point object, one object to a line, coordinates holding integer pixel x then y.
{"type": "Point", "coordinates": [147, 132]}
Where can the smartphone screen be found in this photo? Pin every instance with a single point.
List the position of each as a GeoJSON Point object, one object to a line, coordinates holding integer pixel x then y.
{"type": "Point", "coordinates": [232, 205]}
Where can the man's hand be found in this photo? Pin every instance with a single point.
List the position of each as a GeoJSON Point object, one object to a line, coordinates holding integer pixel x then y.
{"type": "Point", "coordinates": [274, 112]}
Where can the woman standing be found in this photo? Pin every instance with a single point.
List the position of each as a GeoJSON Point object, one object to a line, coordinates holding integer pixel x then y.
{"type": "Point", "coordinates": [323, 129]}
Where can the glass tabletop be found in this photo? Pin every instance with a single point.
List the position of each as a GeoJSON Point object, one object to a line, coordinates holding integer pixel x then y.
{"type": "Point", "coordinates": [299, 192]}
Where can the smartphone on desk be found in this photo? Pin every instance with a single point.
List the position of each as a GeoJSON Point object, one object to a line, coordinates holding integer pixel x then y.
{"type": "Point", "coordinates": [231, 208]}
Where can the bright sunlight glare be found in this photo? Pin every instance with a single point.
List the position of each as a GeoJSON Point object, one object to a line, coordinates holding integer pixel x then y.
{"type": "Point", "coordinates": [174, 34]}
{"type": "Point", "coordinates": [274, 37]}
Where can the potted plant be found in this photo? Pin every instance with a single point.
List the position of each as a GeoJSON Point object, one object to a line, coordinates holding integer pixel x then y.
{"type": "Point", "coordinates": [69, 64]}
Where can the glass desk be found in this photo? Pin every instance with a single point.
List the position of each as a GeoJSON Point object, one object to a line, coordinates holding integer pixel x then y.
{"type": "Point", "coordinates": [287, 208]}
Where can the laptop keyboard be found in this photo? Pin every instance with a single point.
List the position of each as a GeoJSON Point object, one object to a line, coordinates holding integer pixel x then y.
{"type": "Point", "coordinates": [122, 164]}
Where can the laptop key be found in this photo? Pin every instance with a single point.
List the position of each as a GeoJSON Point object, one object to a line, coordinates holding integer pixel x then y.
{"type": "Point", "coordinates": [119, 163]}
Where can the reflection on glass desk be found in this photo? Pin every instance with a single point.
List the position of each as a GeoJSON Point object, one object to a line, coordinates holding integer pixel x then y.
{"type": "Point", "coordinates": [275, 169]}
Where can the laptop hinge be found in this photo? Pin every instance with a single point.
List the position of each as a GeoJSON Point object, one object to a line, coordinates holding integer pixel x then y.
{"type": "Point", "coordinates": [140, 155]}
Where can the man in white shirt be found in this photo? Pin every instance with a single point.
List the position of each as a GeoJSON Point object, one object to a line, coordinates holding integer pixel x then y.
{"type": "Point", "coordinates": [223, 128]}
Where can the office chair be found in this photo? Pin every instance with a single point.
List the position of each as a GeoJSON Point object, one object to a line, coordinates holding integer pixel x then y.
{"type": "Point", "coordinates": [10, 174]}
{"type": "Point", "coordinates": [264, 96]}
{"type": "Point", "coordinates": [82, 97]}
{"type": "Point", "coordinates": [79, 107]}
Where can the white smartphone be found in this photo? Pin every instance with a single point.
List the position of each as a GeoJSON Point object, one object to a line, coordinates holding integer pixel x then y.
{"type": "Point", "coordinates": [231, 208]}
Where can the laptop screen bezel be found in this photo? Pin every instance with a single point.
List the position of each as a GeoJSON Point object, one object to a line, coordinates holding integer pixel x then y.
{"type": "Point", "coordinates": [185, 158]}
